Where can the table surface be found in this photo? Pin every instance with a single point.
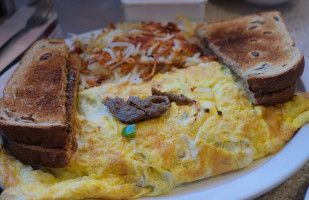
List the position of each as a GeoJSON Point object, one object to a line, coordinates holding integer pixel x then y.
{"type": "Point", "coordinates": [296, 16]}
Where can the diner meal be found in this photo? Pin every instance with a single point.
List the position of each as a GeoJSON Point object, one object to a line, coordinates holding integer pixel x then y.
{"type": "Point", "coordinates": [152, 112]}
{"type": "Point", "coordinates": [259, 50]}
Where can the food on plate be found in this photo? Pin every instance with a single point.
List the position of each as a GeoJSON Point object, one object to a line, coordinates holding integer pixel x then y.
{"type": "Point", "coordinates": [178, 99]}
{"type": "Point", "coordinates": [207, 123]}
{"type": "Point", "coordinates": [128, 131]}
{"type": "Point", "coordinates": [38, 108]}
{"type": "Point", "coordinates": [136, 52]}
{"type": "Point", "coordinates": [221, 132]}
{"type": "Point", "coordinates": [259, 50]}
{"type": "Point", "coordinates": [135, 109]}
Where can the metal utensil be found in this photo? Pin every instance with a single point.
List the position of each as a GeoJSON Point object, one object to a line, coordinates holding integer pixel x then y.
{"type": "Point", "coordinates": [43, 12]}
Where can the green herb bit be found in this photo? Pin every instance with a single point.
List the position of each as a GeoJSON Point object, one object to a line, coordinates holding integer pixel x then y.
{"type": "Point", "coordinates": [128, 131]}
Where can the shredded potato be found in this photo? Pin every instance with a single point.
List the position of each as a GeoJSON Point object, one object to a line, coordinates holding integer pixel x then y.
{"type": "Point", "coordinates": [134, 53]}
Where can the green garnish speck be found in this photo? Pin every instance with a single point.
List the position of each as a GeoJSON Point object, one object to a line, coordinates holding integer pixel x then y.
{"type": "Point", "coordinates": [128, 131]}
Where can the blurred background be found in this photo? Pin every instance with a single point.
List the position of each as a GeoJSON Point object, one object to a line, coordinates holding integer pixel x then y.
{"type": "Point", "coordinates": [61, 18]}
{"type": "Point", "coordinates": [77, 16]}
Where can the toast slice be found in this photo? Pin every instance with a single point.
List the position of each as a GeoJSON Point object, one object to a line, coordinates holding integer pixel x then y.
{"type": "Point", "coordinates": [259, 50]}
{"type": "Point", "coordinates": [36, 155]}
{"type": "Point", "coordinates": [38, 107]}
{"type": "Point", "coordinates": [32, 110]}
{"type": "Point", "coordinates": [272, 98]}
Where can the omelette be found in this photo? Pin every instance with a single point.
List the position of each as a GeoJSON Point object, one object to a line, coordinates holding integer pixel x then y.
{"type": "Point", "coordinates": [221, 132]}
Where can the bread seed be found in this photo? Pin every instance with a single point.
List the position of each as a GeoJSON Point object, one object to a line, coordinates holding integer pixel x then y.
{"type": "Point", "coordinates": [276, 18]}
{"type": "Point", "coordinates": [255, 53]}
{"type": "Point", "coordinates": [30, 118]}
{"type": "Point", "coordinates": [267, 32]}
{"type": "Point", "coordinates": [45, 56]}
{"type": "Point", "coordinates": [258, 22]}
{"type": "Point", "coordinates": [252, 27]}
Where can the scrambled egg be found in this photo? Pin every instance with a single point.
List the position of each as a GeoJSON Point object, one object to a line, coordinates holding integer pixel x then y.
{"type": "Point", "coordinates": [222, 132]}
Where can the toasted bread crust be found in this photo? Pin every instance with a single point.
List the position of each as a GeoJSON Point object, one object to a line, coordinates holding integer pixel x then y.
{"type": "Point", "coordinates": [72, 87]}
{"type": "Point", "coordinates": [35, 155]}
{"type": "Point", "coordinates": [44, 136]}
{"type": "Point", "coordinates": [279, 82]}
{"type": "Point", "coordinates": [259, 48]}
{"type": "Point", "coordinates": [272, 98]}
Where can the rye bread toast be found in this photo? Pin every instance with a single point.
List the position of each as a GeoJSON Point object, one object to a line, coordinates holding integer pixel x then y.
{"type": "Point", "coordinates": [32, 110]}
{"type": "Point", "coordinates": [259, 50]}
{"type": "Point", "coordinates": [38, 107]}
{"type": "Point", "coordinates": [36, 155]}
{"type": "Point", "coordinates": [272, 98]}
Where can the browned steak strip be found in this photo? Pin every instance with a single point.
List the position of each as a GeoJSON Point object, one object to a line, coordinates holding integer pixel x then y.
{"type": "Point", "coordinates": [178, 99]}
{"type": "Point", "coordinates": [153, 106]}
{"type": "Point", "coordinates": [135, 109]}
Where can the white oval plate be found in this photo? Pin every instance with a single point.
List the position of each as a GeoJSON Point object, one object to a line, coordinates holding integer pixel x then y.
{"type": "Point", "coordinates": [259, 177]}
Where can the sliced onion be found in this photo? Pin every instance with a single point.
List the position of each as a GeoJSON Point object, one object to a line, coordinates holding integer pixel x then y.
{"type": "Point", "coordinates": [149, 52]}
{"type": "Point", "coordinates": [168, 37]}
{"type": "Point", "coordinates": [111, 53]}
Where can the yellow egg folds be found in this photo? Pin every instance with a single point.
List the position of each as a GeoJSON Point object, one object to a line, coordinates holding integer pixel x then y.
{"type": "Point", "coordinates": [220, 133]}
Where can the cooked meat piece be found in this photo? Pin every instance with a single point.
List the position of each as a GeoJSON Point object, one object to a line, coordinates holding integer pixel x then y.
{"type": "Point", "coordinates": [124, 112]}
{"type": "Point", "coordinates": [153, 106]}
{"type": "Point", "coordinates": [178, 99]}
{"type": "Point", "coordinates": [135, 109]}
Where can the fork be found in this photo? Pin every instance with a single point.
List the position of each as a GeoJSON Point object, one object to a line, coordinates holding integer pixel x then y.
{"type": "Point", "coordinates": [43, 12]}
